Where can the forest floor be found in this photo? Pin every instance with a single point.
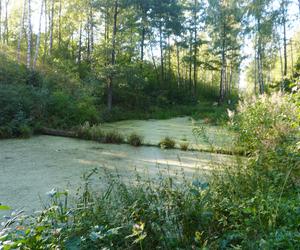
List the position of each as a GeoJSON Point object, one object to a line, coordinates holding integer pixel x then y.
{"type": "Point", "coordinates": [30, 168]}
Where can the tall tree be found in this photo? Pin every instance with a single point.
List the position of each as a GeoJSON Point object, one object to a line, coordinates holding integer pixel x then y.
{"type": "Point", "coordinates": [0, 20]}
{"type": "Point", "coordinates": [113, 56]}
{"type": "Point", "coordinates": [29, 33]}
{"type": "Point", "coordinates": [5, 38]}
{"type": "Point", "coordinates": [22, 21]}
{"type": "Point", "coordinates": [38, 38]}
{"type": "Point", "coordinates": [51, 26]}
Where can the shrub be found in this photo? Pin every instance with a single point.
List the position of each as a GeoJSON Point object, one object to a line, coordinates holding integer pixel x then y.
{"type": "Point", "coordinates": [266, 121]}
{"type": "Point", "coordinates": [184, 146]}
{"type": "Point", "coordinates": [96, 133]}
{"type": "Point", "coordinates": [25, 131]}
{"type": "Point", "coordinates": [135, 140]}
{"type": "Point", "coordinates": [113, 137]}
{"type": "Point", "coordinates": [83, 131]}
{"type": "Point", "coordinates": [167, 143]}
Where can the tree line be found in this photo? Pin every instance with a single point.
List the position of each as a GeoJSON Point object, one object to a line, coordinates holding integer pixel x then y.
{"type": "Point", "coordinates": [192, 46]}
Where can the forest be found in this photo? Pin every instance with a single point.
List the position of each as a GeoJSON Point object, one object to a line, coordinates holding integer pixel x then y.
{"type": "Point", "coordinates": [149, 124]}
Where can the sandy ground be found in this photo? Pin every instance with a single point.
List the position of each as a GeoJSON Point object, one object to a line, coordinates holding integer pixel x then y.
{"type": "Point", "coordinates": [30, 168]}
{"type": "Point", "coordinates": [180, 129]}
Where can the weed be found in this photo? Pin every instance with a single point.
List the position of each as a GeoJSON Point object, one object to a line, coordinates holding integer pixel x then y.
{"type": "Point", "coordinates": [113, 137]}
{"type": "Point", "coordinates": [184, 146]}
{"type": "Point", "coordinates": [167, 143]}
{"type": "Point", "coordinates": [135, 140]}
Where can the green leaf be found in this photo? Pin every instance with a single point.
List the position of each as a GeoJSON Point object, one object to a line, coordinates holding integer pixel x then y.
{"type": "Point", "coordinates": [3, 208]}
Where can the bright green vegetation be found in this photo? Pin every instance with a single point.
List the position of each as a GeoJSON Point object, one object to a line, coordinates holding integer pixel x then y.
{"type": "Point", "coordinates": [251, 205]}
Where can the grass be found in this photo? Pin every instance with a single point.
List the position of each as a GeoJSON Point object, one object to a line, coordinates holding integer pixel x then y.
{"type": "Point", "coordinates": [135, 140]}
{"type": "Point", "coordinates": [184, 146]}
{"type": "Point", "coordinates": [113, 137]}
{"type": "Point", "coordinates": [167, 143]}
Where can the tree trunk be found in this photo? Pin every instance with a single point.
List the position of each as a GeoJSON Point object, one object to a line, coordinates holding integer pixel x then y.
{"type": "Point", "coordinates": [142, 44]}
{"type": "Point", "coordinates": [260, 60]}
{"type": "Point", "coordinates": [195, 48]}
{"type": "Point", "coordinates": [51, 27]}
{"type": "Point", "coordinates": [46, 33]}
{"type": "Point", "coordinates": [22, 21]}
{"type": "Point", "coordinates": [38, 38]}
{"type": "Point", "coordinates": [162, 71]}
{"type": "Point", "coordinates": [29, 36]}
{"type": "Point", "coordinates": [59, 23]}
{"type": "Point", "coordinates": [153, 58]}
{"type": "Point", "coordinates": [190, 64]}
{"type": "Point", "coordinates": [178, 64]}
{"type": "Point", "coordinates": [0, 21]}
{"type": "Point", "coordinates": [292, 57]}
{"type": "Point", "coordinates": [80, 44]}
{"type": "Point", "coordinates": [223, 68]}
{"type": "Point", "coordinates": [281, 67]}
{"type": "Point", "coordinates": [92, 27]}
{"type": "Point", "coordinates": [113, 57]}
{"type": "Point", "coordinates": [255, 68]}
{"type": "Point", "coordinates": [6, 23]}
{"type": "Point", "coordinates": [284, 43]}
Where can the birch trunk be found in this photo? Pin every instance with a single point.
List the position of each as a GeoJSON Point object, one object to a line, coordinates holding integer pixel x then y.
{"type": "Point", "coordinates": [0, 20]}
{"type": "Point", "coordinates": [6, 23]}
{"type": "Point", "coordinates": [21, 32]}
{"type": "Point", "coordinates": [113, 56]}
{"type": "Point", "coordinates": [29, 36]}
{"type": "Point", "coordinates": [51, 27]}
{"type": "Point", "coordinates": [38, 38]}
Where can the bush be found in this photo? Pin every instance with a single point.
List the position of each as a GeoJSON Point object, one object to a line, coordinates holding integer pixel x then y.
{"type": "Point", "coordinates": [88, 132]}
{"type": "Point", "coordinates": [184, 146]}
{"type": "Point", "coordinates": [266, 122]}
{"type": "Point", "coordinates": [113, 137]}
{"type": "Point", "coordinates": [135, 140]}
{"type": "Point", "coordinates": [167, 143]}
{"type": "Point", "coordinates": [25, 131]}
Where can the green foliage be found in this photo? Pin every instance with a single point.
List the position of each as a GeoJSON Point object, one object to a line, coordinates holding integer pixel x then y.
{"type": "Point", "coordinates": [184, 146]}
{"type": "Point", "coordinates": [113, 137]}
{"type": "Point", "coordinates": [266, 122]}
{"type": "Point", "coordinates": [95, 133]}
{"type": "Point", "coordinates": [88, 132]}
{"type": "Point", "coordinates": [167, 143]}
{"type": "Point", "coordinates": [43, 99]}
{"type": "Point", "coordinates": [21, 106]}
{"type": "Point", "coordinates": [135, 140]}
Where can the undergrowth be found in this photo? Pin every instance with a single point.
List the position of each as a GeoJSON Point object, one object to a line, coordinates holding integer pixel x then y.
{"type": "Point", "coordinates": [253, 204]}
